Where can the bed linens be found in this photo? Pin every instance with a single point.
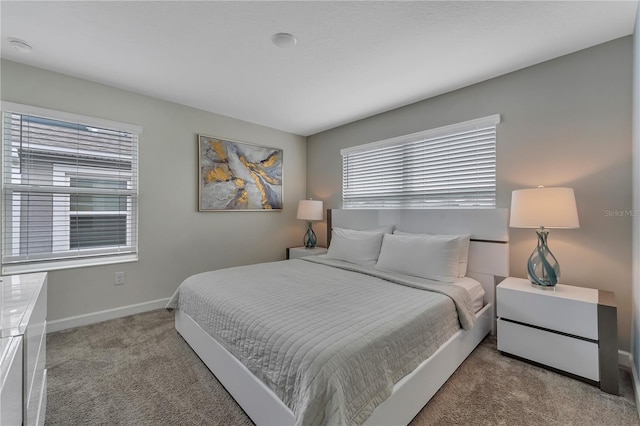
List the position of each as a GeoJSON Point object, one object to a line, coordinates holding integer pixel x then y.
{"type": "Point", "coordinates": [427, 256]}
{"type": "Point", "coordinates": [329, 338]}
{"type": "Point", "coordinates": [475, 290]}
{"type": "Point", "coordinates": [360, 247]}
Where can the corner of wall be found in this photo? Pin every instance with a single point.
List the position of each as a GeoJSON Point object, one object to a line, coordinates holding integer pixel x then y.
{"type": "Point", "coordinates": [635, 313]}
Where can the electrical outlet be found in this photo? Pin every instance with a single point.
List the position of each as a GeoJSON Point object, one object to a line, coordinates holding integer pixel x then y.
{"type": "Point", "coordinates": [119, 278]}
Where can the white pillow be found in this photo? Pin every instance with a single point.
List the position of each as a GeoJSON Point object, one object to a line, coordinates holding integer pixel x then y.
{"type": "Point", "coordinates": [361, 247]}
{"type": "Point", "coordinates": [463, 249]}
{"type": "Point", "coordinates": [434, 257]}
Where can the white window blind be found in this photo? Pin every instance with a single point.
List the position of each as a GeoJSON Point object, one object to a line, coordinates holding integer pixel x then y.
{"type": "Point", "coordinates": [69, 190]}
{"type": "Point", "coordinates": [448, 167]}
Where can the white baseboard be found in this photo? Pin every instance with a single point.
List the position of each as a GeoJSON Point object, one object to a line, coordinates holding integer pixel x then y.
{"type": "Point", "coordinates": [95, 317]}
{"type": "Point", "coordinates": [624, 358]}
{"type": "Point", "coordinates": [636, 383]}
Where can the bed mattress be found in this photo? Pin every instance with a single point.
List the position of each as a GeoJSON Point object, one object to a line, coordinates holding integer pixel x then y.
{"type": "Point", "coordinates": [329, 338]}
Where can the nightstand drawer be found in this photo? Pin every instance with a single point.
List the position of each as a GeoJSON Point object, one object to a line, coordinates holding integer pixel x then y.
{"type": "Point", "coordinates": [297, 252]}
{"type": "Point", "coordinates": [575, 356]}
{"type": "Point", "coordinates": [567, 309]}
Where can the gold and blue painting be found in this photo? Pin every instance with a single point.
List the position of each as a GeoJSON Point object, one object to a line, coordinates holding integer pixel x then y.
{"type": "Point", "coordinates": [238, 176]}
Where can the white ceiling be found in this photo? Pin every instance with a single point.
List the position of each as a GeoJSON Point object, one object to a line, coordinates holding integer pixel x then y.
{"type": "Point", "coordinates": [352, 60]}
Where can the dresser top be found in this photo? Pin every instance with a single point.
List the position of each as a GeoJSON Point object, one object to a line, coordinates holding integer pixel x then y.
{"type": "Point", "coordinates": [18, 295]}
{"type": "Point", "coordinates": [562, 291]}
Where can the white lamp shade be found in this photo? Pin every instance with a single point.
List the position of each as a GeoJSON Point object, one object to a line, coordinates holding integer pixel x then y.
{"type": "Point", "coordinates": [548, 207]}
{"type": "Point", "coordinates": [309, 210]}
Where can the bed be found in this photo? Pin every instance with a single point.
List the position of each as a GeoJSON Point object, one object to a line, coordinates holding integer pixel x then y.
{"type": "Point", "coordinates": [325, 341]}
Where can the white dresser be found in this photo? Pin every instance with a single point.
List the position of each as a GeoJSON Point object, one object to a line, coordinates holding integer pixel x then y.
{"type": "Point", "coordinates": [570, 329]}
{"type": "Point", "coordinates": [23, 337]}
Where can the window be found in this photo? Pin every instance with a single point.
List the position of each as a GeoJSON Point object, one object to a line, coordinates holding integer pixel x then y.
{"type": "Point", "coordinates": [448, 167]}
{"type": "Point", "coordinates": [91, 214]}
{"type": "Point", "coordinates": [69, 190]}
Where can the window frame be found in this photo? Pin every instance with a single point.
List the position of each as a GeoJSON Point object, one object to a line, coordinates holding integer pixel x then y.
{"type": "Point", "coordinates": [75, 257]}
{"type": "Point", "coordinates": [402, 172]}
{"type": "Point", "coordinates": [62, 219]}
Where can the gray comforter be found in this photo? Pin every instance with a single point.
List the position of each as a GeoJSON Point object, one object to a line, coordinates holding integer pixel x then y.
{"type": "Point", "coordinates": [329, 338]}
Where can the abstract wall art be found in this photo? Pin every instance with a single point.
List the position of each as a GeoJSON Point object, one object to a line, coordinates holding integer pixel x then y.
{"type": "Point", "coordinates": [238, 176]}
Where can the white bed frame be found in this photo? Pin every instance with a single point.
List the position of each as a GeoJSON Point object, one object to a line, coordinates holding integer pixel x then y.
{"type": "Point", "coordinates": [488, 263]}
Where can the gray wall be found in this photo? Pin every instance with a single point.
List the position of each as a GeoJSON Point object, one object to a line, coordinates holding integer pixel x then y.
{"type": "Point", "coordinates": [566, 122]}
{"type": "Point", "coordinates": [175, 240]}
{"type": "Point", "coordinates": [635, 326]}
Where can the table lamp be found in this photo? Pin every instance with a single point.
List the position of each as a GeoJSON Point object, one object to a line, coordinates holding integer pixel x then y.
{"type": "Point", "coordinates": [543, 208]}
{"type": "Point", "coordinates": [309, 210]}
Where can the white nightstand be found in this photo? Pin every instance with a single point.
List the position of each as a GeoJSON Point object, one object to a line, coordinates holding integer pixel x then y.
{"type": "Point", "coordinates": [570, 329]}
{"type": "Point", "coordinates": [302, 251]}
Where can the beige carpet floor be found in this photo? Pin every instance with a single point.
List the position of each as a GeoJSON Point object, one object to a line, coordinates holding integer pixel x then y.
{"type": "Point", "coordinates": [138, 371]}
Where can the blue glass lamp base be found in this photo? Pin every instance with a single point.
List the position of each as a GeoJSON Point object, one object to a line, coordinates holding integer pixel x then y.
{"type": "Point", "coordinates": [543, 287]}
{"type": "Point", "coordinates": [309, 237]}
{"type": "Point", "coordinates": [543, 269]}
